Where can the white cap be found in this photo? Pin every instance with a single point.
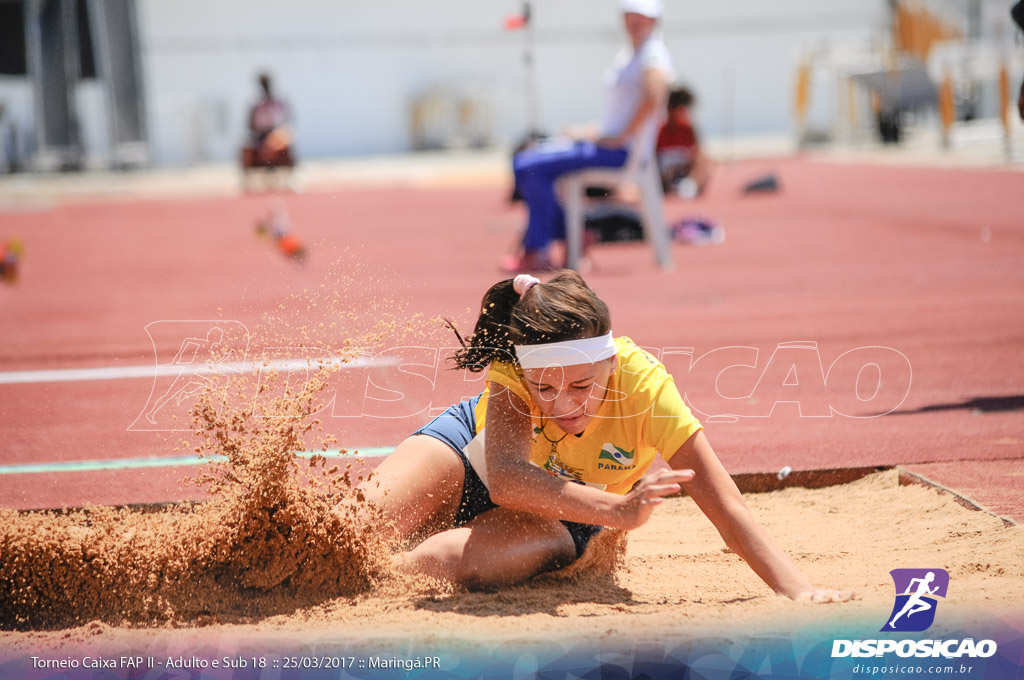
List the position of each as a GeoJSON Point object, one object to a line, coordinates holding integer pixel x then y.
{"type": "Point", "coordinates": [649, 8]}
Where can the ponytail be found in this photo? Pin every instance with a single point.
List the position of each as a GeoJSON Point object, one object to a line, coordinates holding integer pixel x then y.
{"type": "Point", "coordinates": [492, 337]}
{"type": "Point", "coordinates": [564, 308]}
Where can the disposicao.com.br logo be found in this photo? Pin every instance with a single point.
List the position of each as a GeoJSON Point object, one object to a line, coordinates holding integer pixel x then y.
{"type": "Point", "coordinates": [917, 593]}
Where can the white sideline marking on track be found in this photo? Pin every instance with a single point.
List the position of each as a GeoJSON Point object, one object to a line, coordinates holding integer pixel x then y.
{"type": "Point", "coordinates": [172, 370]}
{"type": "Point", "coordinates": [178, 461]}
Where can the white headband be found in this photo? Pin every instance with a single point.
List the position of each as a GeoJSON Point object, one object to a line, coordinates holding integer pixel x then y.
{"type": "Point", "coordinates": [566, 353]}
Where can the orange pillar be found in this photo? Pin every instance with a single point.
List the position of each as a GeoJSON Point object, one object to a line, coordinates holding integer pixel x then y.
{"type": "Point", "coordinates": [947, 108]}
{"type": "Point", "coordinates": [802, 94]}
{"type": "Point", "coordinates": [1004, 97]}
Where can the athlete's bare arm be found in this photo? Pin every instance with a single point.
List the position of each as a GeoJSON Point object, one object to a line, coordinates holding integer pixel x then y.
{"type": "Point", "coordinates": [718, 497]}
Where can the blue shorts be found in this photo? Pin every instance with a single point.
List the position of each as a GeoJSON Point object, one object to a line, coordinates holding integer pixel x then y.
{"type": "Point", "coordinates": [456, 427]}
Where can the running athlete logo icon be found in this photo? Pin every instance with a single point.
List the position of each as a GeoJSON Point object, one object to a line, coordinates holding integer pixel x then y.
{"type": "Point", "coordinates": [205, 355]}
{"type": "Point", "coordinates": [916, 593]}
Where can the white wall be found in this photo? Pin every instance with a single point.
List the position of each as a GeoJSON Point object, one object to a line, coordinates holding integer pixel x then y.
{"type": "Point", "coordinates": [350, 70]}
{"type": "Point", "coordinates": [16, 95]}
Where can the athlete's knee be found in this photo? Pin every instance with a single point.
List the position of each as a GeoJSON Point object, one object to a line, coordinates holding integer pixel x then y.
{"type": "Point", "coordinates": [440, 556]}
{"type": "Point", "coordinates": [472, 578]}
{"type": "Point", "coordinates": [448, 560]}
{"type": "Point", "coordinates": [453, 564]}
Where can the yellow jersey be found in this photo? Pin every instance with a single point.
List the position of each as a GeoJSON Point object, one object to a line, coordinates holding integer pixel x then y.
{"type": "Point", "coordinates": [643, 414]}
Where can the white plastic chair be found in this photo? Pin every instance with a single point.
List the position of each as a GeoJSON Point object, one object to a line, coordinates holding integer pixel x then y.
{"type": "Point", "coordinates": [641, 168]}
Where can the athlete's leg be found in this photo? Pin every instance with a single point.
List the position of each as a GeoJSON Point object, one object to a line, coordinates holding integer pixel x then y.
{"type": "Point", "coordinates": [911, 607]}
{"type": "Point", "coordinates": [919, 607]}
{"type": "Point", "coordinates": [903, 611]}
{"type": "Point", "coordinates": [171, 392]}
{"type": "Point", "coordinates": [498, 548]}
{"type": "Point", "coordinates": [419, 483]}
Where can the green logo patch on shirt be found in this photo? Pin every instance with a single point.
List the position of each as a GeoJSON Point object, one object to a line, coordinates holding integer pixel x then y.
{"type": "Point", "coordinates": [617, 455]}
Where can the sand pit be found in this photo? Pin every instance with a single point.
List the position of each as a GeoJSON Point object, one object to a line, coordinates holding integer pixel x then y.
{"type": "Point", "coordinates": [676, 580]}
{"type": "Point", "coordinates": [269, 538]}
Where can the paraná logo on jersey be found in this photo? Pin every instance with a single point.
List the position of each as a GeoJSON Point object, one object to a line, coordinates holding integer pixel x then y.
{"type": "Point", "coordinates": [621, 457]}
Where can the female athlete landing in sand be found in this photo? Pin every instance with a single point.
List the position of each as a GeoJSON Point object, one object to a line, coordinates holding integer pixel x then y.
{"type": "Point", "coordinates": [574, 419]}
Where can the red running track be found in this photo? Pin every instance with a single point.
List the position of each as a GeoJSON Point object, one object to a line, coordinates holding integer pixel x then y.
{"type": "Point", "coordinates": [860, 289]}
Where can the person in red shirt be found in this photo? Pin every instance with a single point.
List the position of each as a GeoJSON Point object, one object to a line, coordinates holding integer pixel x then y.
{"type": "Point", "coordinates": [684, 168]}
{"type": "Point", "coordinates": [270, 135]}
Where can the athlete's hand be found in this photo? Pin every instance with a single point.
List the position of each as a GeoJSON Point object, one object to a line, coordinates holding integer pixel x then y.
{"type": "Point", "coordinates": [822, 595]}
{"type": "Point", "coordinates": [637, 505]}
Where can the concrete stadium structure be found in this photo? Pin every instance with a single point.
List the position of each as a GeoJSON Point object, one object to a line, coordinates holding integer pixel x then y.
{"type": "Point", "coordinates": [394, 75]}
